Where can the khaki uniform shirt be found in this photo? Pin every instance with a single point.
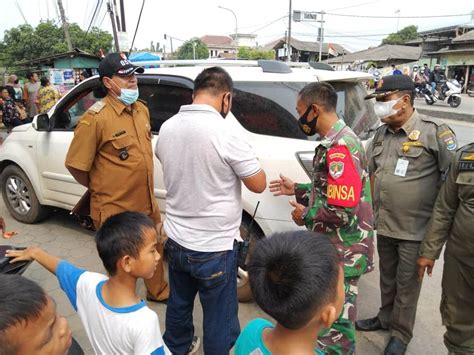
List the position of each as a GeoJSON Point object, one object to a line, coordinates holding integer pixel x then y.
{"type": "Point", "coordinates": [408, 166]}
{"type": "Point", "coordinates": [113, 144]}
{"type": "Point", "coordinates": [453, 215]}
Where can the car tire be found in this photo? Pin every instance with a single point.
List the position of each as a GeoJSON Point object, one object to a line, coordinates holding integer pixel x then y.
{"type": "Point", "coordinates": [244, 292]}
{"type": "Point", "coordinates": [20, 197]}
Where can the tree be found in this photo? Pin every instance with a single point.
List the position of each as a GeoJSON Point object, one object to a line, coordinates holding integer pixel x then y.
{"type": "Point", "coordinates": [255, 53]}
{"type": "Point", "coordinates": [405, 34]}
{"type": "Point", "coordinates": [25, 43]}
{"type": "Point", "coordinates": [152, 47]}
{"type": "Point", "coordinates": [186, 50]}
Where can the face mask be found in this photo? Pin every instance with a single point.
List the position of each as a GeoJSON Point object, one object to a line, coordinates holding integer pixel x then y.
{"type": "Point", "coordinates": [385, 109]}
{"type": "Point", "coordinates": [128, 96]}
{"type": "Point", "coordinates": [308, 128]}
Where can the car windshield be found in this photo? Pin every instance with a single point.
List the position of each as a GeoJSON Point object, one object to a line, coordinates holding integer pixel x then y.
{"type": "Point", "coordinates": [270, 107]}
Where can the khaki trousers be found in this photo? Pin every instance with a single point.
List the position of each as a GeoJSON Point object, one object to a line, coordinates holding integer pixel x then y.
{"type": "Point", "coordinates": [399, 285]}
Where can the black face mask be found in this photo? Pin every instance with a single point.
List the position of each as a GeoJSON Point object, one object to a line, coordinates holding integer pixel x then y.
{"type": "Point", "coordinates": [223, 114]}
{"type": "Point", "coordinates": [308, 128]}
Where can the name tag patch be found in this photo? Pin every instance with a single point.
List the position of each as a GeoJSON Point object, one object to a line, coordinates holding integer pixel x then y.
{"type": "Point", "coordinates": [344, 182]}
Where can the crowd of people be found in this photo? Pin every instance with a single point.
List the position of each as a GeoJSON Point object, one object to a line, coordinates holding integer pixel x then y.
{"type": "Point", "coordinates": [307, 281]}
{"type": "Point", "coordinates": [19, 104]}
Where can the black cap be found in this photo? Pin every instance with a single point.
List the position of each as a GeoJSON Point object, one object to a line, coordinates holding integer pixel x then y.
{"type": "Point", "coordinates": [117, 64]}
{"type": "Point", "coordinates": [391, 84]}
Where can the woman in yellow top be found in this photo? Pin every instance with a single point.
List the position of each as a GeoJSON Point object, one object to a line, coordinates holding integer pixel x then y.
{"type": "Point", "coordinates": [48, 95]}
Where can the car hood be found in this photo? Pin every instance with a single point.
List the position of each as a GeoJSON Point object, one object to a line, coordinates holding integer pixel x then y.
{"type": "Point", "coordinates": [22, 128]}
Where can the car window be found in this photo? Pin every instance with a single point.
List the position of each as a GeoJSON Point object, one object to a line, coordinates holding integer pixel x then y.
{"type": "Point", "coordinates": [270, 108]}
{"type": "Point", "coordinates": [164, 101]}
{"type": "Point", "coordinates": [68, 115]}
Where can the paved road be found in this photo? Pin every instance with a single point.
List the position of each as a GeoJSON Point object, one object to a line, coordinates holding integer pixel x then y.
{"type": "Point", "coordinates": [60, 235]}
{"type": "Point", "coordinates": [465, 111]}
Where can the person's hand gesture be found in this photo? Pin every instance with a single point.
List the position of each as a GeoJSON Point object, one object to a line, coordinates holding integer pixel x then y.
{"type": "Point", "coordinates": [424, 264]}
{"type": "Point", "coordinates": [297, 213]}
{"type": "Point", "coordinates": [283, 186]}
{"type": "Point", "coordinates": [21, 255]}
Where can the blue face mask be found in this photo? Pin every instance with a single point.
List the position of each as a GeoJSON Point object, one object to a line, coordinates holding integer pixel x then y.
{"type": "Point", "coordinates": [128, 96]}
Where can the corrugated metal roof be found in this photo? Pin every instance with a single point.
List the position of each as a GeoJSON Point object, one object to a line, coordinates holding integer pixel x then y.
{"type": "Point", "coordinates": [469, 36]}
{"type": "Point", "coordinates": [306, 46]}
{"type": "Point", "coordinates": [383, 53]}
{"type": "Point", "coordinates": [216, 40]}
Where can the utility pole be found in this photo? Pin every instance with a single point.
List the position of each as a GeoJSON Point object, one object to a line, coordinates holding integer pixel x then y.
{"type": "Point", "coordinates": [288, 38]}
{"type": "Point", "coordinates": [398, 18]}
{"type": "Point", "coordinates": [122, 12]}
{"type": "Point", "coordinates": [321, 37]}
{"type": "Point", "coordinates": [65, 25]}
{"type": "Point", "coordinates": [114, 27]}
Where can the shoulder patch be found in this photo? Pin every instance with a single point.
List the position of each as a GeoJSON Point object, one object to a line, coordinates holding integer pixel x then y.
{"type": "Point", "coordinates": [447, 136]}
{"type": "Point", "coordinates": [344, 183]}
{"type": "Point", "coordinates": [87, 119]}
{"type": "Point", "coordinates": [97, 107]}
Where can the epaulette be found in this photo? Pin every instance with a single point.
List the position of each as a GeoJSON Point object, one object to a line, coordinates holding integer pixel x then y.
{"type": "Point", "coordinates": [436, 121]}
{"type": "Point", "coordinates": [143, 102]}
{"type": "Point", "coordinates": [97, 107]}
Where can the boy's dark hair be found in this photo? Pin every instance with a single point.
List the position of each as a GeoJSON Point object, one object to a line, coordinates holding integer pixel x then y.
{"type": "Point", "coordinates": [21, 300]}
{"type": "Point", "coordinates": [215, 80]}
{"type": "Point", "coordinates": [120, 235]}
{"type": "Point", "coordinates": [44, 81]}
{"type": "Point", "coordinates": [320, 93]}
{"type": "Point", "coordinates": [292, 275]}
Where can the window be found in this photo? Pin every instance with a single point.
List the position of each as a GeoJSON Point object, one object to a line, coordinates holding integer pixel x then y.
{"type": "Point", "coordinates": [67, 116]}
{"type": "Point", "coordinates": [270, 108]}
{"type": "Point", "coordinates": [164, 101]}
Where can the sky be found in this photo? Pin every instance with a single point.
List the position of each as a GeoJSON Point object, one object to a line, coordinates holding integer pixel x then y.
{"type": "Point", "coordinates": [184, 19]}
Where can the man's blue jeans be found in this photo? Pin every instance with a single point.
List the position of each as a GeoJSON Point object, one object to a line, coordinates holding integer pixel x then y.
{"type": "Point", "coordinates": [433, 87]}
{"type": "Point", "coordinates": [213, 275]}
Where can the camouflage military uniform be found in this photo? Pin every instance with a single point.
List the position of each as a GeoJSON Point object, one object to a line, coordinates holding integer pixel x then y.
{"type": "Point", "coordinates": [349, 228]}
{"type": "Point", "coordinates": [452, 223]}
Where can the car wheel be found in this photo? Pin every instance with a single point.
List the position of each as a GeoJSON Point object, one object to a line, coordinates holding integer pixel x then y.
{"type": "Point", "coordinates": [244, 293]}
{"type": "Point", "coordinates": [19, 196]}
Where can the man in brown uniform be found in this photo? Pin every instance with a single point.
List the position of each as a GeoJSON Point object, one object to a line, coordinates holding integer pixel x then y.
{"type": "Point", "coordinates": [452, 223]}
{"type": "Point", "coordinates": [408, 157]}
{"type": "Point", "coordinates": [111, 154]}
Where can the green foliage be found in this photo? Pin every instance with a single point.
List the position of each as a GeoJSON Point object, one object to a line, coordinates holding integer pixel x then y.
{"type": "Point", "coordinates": [24, 42]}
{"type": "Point", "coordinates": [404, 35]}
{"type": "Point", "coordinates": [255, 53]}
{"type": "Point", "coordinates": [186, 50]}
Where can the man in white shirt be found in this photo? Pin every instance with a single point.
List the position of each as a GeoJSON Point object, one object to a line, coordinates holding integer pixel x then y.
{"type": "Point", "coordinates": [204, 162]}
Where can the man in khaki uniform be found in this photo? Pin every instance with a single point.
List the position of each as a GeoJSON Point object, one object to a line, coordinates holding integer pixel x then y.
{"type": "Point", "coordinates": [452, 223]}
{"type": "Point", "coordinates": [111, 154]}
{"type": "Point", "coordinates": [408, 158]}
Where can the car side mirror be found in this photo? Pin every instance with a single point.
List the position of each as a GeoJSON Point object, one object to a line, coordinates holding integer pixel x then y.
{"type": "Point", "coordinates": [43, 122]}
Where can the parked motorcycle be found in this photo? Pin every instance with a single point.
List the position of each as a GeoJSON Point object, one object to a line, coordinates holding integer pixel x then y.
{"type": "Point", "coordinates": [470, 89]}
{"type": "Point", "coordinates": [448, 91]}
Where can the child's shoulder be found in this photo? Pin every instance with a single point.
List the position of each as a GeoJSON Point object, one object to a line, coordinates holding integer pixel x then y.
{"type": "Point", "coordinates": [250, 340]}
{"type": "Point", "coordinates": [258, 324]}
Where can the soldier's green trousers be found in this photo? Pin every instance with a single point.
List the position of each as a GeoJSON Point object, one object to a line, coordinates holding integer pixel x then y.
{"type": "Point", "coordinates": [340, 338]}
{"type": "Point", "coordinates": [457, 305]}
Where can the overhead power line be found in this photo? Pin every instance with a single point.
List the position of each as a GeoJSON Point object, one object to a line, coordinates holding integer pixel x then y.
{"type": "Point", "coordinates": [269, 24]}
{"type": "Point", "coordinates": [396, 17]}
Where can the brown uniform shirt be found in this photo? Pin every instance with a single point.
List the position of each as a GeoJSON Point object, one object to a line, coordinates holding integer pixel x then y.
{"type": "Point", "coordinates": [113, 144]}
{"type": "Point", "coordinates": [408, 166]}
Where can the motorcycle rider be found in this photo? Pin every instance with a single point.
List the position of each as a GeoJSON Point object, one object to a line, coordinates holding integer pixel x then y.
{"type": "Point", "coordinates": [436, 76]}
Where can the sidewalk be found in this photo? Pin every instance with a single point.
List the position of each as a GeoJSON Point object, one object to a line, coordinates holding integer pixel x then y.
{"type": "Point", "coordinates": [465, 111]}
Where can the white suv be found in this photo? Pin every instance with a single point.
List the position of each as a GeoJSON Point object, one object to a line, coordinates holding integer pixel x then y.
{"type": "Point", "coordinates": [32, 157]}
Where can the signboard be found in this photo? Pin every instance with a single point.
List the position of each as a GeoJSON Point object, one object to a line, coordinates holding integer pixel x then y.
{"type": "Point", "coordinates": [304, 16]}
{"type": "Point", "coordinates": [124, 44]}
